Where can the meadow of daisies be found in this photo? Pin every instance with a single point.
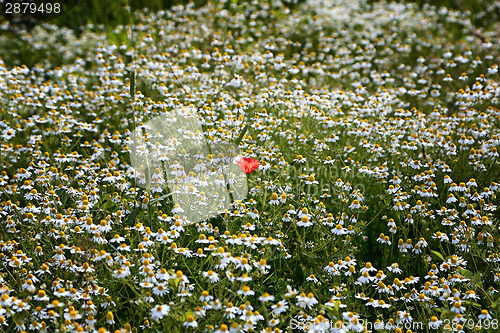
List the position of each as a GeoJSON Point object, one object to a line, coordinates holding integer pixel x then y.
{"type": "Point", "coordinates": [374, 208]}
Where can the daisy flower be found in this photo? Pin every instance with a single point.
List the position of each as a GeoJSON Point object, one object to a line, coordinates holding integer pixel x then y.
{"type": "Point", "coordinates": [246, 291]}
{"type": "Point", "coordinates": [211, 276]}
{"type": "Point", "coordinates": [266, 297]}
{"type": "Point", "coordinates": [243, 264]}
{"type": "Point", "coordinates": [190, 322]}
{"type": "Point", "coordinates": [304, 222]}
{"type": "Point", "coordinates": [300, 159]}
{"type": "Point", "coordinates": [274, 199]}
{"type": "Point", "coordinates": [159, 311]}
{"type": "Point", "coordinates": [160, 289]}
{"type": "Point", "coordinates": [306, 301]}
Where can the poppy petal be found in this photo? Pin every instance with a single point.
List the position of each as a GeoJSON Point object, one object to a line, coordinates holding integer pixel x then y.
{"type": "Point", "coordinates": [248, 164]}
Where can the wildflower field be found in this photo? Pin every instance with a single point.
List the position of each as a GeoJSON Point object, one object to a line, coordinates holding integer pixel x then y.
{"type": "Point", "coordinates": [363, 185]}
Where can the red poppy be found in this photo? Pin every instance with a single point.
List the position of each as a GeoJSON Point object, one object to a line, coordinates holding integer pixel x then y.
{"type": "Point", "coordinates": [248, 164]}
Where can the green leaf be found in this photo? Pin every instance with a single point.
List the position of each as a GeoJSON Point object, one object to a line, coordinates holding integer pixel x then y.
{"type": "Point", "coordinates": [337, 306]}
{"type": "Point", "coordinates": [467, 273]}
{"type": "Point", "coordinates": [240, 137]}
{"type": "Point", "coordinates": [474, 304]}
{"type": "Point", "coordinates": [183, 317]}
{"type": "Point", "coordinates": [477, 280]}
{"type": "Point", "coordinates": [437, 254]}
{"type": "Point", "coordinates": [102, 200]}
{"type": "Point", "coordinates": [64, 198]}
{"type": "Point", "coordinates": [311, 255]}
{"type": "Point", "coordinates": [139, 193]}
{"type": "Point", "coordinates": [327, 307]}
{"type": "Point", "coordinates": [107, 204]}
{"type": "Point", "coordinates": [160, 198]}
{"type": "Point", "coordinates": [131, 217]}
